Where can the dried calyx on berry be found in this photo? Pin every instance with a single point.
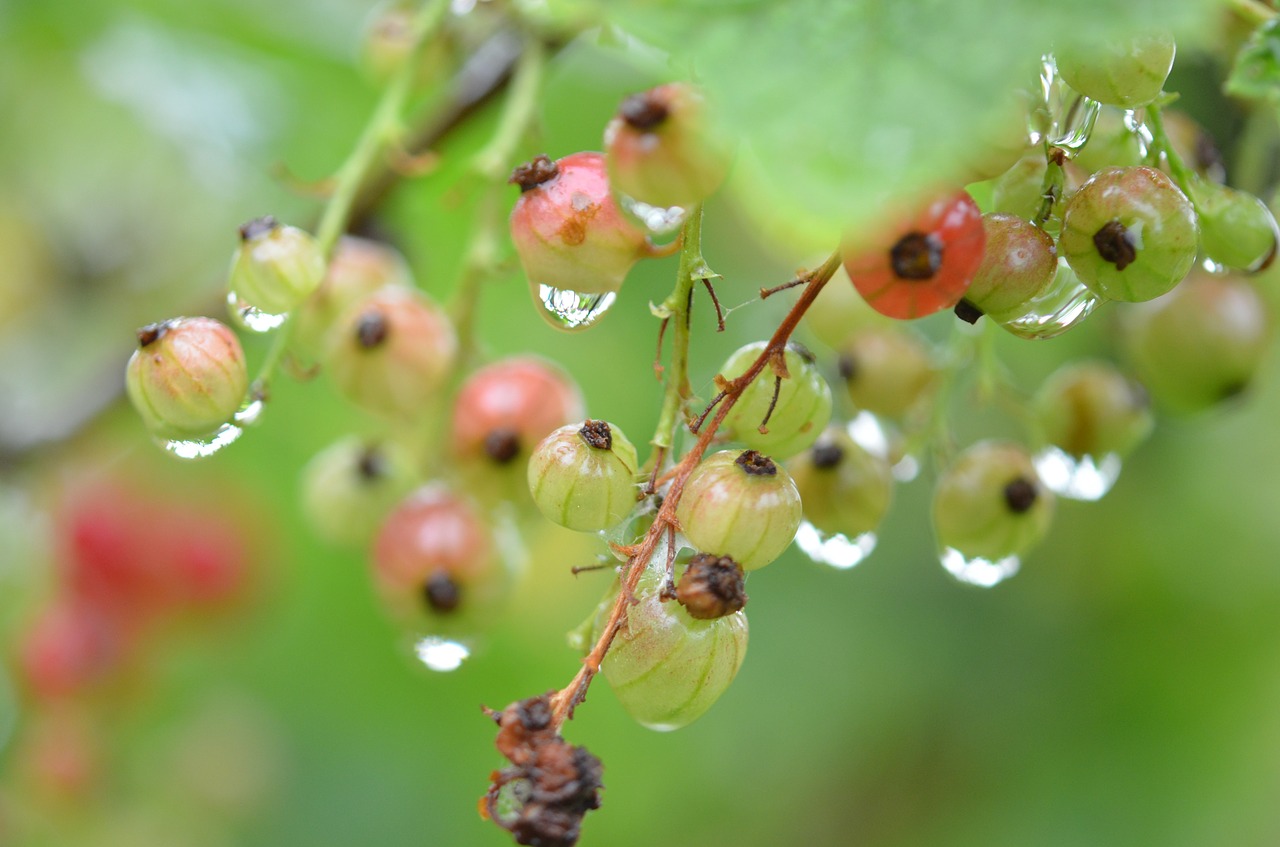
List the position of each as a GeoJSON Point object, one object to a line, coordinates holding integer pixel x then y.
{"type": "Point", "coordinates": [712, 587]}
{"type": "Point", "coordinates": [583, 476]}
{"type": "Point", "coordinates": [550, 785]}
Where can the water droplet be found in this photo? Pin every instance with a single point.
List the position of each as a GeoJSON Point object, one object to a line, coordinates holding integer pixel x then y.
{"type": "Point", "coordinates": [202, 447]}
{"type": "Point", "coordinates": [975, 570]}
{"type": "Point", "coordinates": [1063, 305]}
{"type": "Point", "coordinates": [832, 548]}
{"type": "Point", "coordinates": [441, 654]}
{"type": "Point", "coordinates": [249, 318]}
{"type": "Point", "coordinates": [1064, 117]}
{"type": "Point", "coordinates": [573, 310]}
{"type": "Point", "coordinates": [880, 439]}
{"type": "Point", "coordinates": [1076, 125]}
{"type": "Point", "coordinates": [656, 219]}
{"type": "Point", "coordinates": [1084, 478]}
{"type": "Point", "coordinates": [1134, 123]}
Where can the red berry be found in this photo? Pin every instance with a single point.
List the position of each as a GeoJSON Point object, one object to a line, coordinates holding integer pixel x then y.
{"type": "Point", "coordinates": [922, 266]}
{"type": "Point", "coordinates": [567, 229]}
{"type": "Point", "coordinates": [503, 410]}
{"type": "Point", "coordinates": [67, 649]}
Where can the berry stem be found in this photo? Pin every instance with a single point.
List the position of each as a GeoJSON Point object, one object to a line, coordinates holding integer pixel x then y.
{"type": "Point", "coordinates": [493, 162]}
{"type": "Point", "coordinates": [566, 699]}
{"type": "Point", "coordinates": [1177, 168]}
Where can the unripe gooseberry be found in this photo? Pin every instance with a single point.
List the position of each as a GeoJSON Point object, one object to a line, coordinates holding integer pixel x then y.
{"type": "Point", "coordinates": [187, 377]}
{"type": "Point", "coordinates": [660, 149]}
{"type": "Point", "coordinates": [1092, 409]}
{"type": "Point", "coordinates": [844, 488]}
{"type": "Point", "coordinates": [795, 419]}
{"type": "Point", "coordinates": [433, 555]}
{"type": "Point", "coordinates": [582, 476]}
{"type": "Point", "coordinates": [1236, 229]}
{"type": "Point", "coordinates": [990, 504]}
{"type": "Point", "coordinates": [922, 265]}
{"type": "Point", "coordinates": [665, 666]}
{"type": "Point", "coordinates": [567, 229]}
{"type": "Point", "coordinates": [1126, 72]}
{"type": "Point", "coordinates": [359, 268]}
{"type": "Point", "coordinates": [1129, 234]}
{"type": "Point", "coordinates": [392, 352]}
{"type": "Point", "coordinates": [1200, 344]}
{"type": "Point", "coordinates": [351, 485]}
{"type": "Point", "coordinates": [1018, 264]}
{"type": "Point", "coordinates": [741, 505]}
{"type": "Point", "coordinates": [887, 370]}
{"type": "Point", "coordinates": [276, 267]}
{"type": "Point", "coordinates": [505, 408]}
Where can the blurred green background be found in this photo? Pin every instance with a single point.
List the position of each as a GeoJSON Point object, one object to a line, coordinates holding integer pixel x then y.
{"type": "Point", "coordinates": [1123, 689]}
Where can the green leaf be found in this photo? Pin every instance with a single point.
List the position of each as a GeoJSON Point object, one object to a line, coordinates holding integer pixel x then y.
{"type": "Point", "coordinates": [1256, 73]}
{"type": "Point", "coordinates": [845, 110]}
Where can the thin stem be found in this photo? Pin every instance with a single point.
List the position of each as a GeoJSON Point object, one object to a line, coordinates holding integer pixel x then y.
{"type": "Point", "coordinates": [1178, 169]}
{"type": "Point", "coordinates": [494, 161]}
{"type": "Point", "coordinates": [676, 310]}
{"type": "Point", "coordinates": [565, 700]}
{"type": "Point", "coordinates": [1251, 11]}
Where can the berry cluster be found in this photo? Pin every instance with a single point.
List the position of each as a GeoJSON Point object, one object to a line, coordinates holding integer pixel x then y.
{"type": "Point", "coordinates": [1095, 203]}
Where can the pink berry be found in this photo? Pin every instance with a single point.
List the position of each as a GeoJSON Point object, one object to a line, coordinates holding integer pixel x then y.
{"type": "Point", "coordinates": [187, 377]}
{"type": "Point", "coordinates": [504, 409]}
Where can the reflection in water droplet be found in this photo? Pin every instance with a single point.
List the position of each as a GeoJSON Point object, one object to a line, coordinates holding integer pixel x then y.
{"type": "Point", "coordinates": [441, 654]}
{"type": "Point", "coordinates": [202, 447]}
{"type": "Point", "coordinates": [1064, 117]}
{"type": "Point", "coordinates": [249, 318]}
{"type": "Point", "coordinates": [1086, 478]}
{"type": "Point", "coordinates": [832, 548]}
{"type": "Point", "coordinates": [655, 219]}
{"type": "Point", "coordinates": [1063, 305]}
{"type": "Point", "coordinates": [1077, 123]}
{"type": "Point", "coordinates": [983, 573]}
{"type": "Point", "coordinates": [565, 309]}
{"type": "Point", "coordinates": [1133, 122]}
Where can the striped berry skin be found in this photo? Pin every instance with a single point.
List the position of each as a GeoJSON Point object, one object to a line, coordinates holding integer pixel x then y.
{"type": "Point", "coordinates": [741, 505]}
{"type": "Point", "coordinates": [187, 377]}
{"type": "Point", "coordinates": [582, 476]}
{"type": "Point", "coordinates": [277, 266]}
{"type": "Point", "coordinates": [922, 266]}
{"type": "Point", "coordinates": [795, 420]}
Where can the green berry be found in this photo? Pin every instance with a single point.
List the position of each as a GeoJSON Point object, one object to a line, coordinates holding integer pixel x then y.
{"type": "Point", "coordinates": [392, 353]}
{"type": "Point", "coordinates": [187, 377]}
{"type": "Point", "coordinates": [351, 485]}
{"type": "Point", "coordinates": [990, 504]}
{"type": "Point", "coordinates": [1018, 265]}
{"type": "Point", "coordinates": [1127, 72]}
{"type": "Point", "coordinates": [276, 267]}
{"type": "Point", "coordinates": [667, 667]}
{"type": "Point", "coordinates": [844, 488]}
{"type": "Point", "coordinates": [795, 420]}
{"type": "Point", "coordinates": [1200, 344]}
{"type": "Point", "coordinates": [887, 370]}
{"type": "Point", "coordinates": [740, 505]}
{"type": "Point", "coordinates": [582, 476]}
{"type": "Point", "coordinates": [1129, 234]}
{"type": "Point", "coordinates": [660, 150]}
{"type": "Point", "coordinates": [1092, 409]}
{"type": "Point", "coordinates": [1236, 229]}
{"type": "Point", "coordinates": [1111, 144]}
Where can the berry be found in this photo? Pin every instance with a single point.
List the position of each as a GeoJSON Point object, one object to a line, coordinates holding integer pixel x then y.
{"type": "Point", "coordinates": [1200, 344]}
{"type": "Point", "coordinates": [1018, 264]}
{"type": "Point", "coordinates": [187, 377]}
{"type": "Point", "coordinates": [1127, 72]}
{"type": "Point", "coordinates": [990, 504]}
{"type": "Point", "coordinates": [392, 353]}
{"type": "Point", "coordinates": [712, 587]}
{"type": "Point", "coordinates": [740, 505]}
{"type": "Point", "coordinates": [68, 649]}
{"type": "Point", "coordinates": [582, 476]}
{"type": "Point", "coordinates": [887, 370]}
{"type": "Point", "coordinates": [1092, 409]}
{"type": "Point", "coordinates": [660, 151]}
{"type": "Point", "coordinates": [1129, 234]}
{"type": "Point", "coordinates": [567, 229]}
{"type": "Point", "coordinates": [844, 488]}
{"type": "Point", "coordinates": [434, 556]}
{"type": "Point", "coordinates": [351, 485]}
{"type": "Point", "coordinates": [922, 266]}
{"type": "Point", "coordinates": [1236, 229]}
{"type": "Point", "coordinates": [1111, 144]}
{"type": "Point", "coordinates": [276, 267]}
{"type": "Point", "coordinates": [667, 667]}
{"type": "Point", "coordinates": [801, 410]}
{"type": "Point", "coordinates": [358, 269]}
{"type": "Point", "coordinates": [504, 409]}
